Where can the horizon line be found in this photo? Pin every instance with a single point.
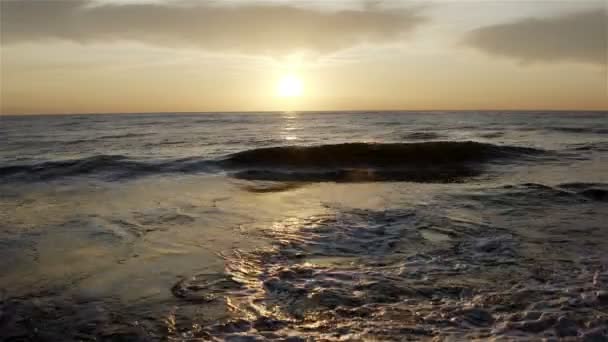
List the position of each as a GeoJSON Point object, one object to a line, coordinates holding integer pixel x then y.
{"type": "Point", "coordinates": [308, 111]}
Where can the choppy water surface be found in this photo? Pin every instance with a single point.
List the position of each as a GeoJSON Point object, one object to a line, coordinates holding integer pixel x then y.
{"type": "Point", "coordinates": [304, 226]}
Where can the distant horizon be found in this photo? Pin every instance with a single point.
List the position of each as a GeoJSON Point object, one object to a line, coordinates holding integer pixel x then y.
{"type": "Point", "coordinates": [346, 111]}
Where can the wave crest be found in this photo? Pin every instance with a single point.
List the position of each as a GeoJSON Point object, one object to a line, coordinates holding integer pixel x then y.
{"type": "Point", "coordinates": [112, 166]}
{"type": "Point", "coordinates": [440, 161]}
{"type": "Point", "coordinates": [376, 154]}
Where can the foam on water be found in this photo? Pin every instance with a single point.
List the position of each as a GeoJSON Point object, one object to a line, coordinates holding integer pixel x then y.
{"type": "Point", "coordinates": [385, 278]}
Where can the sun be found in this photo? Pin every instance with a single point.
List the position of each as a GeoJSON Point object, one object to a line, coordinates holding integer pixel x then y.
{"type": "Point", "coordinates": [289, 86]}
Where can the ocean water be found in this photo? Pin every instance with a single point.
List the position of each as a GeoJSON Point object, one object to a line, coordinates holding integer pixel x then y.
{"type": "Point", "coordinates": [304, 226]}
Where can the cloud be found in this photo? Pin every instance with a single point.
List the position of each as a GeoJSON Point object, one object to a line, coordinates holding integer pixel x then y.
{"type": "Point", "coordinates": [576, 37]}
{"type": "Point", "coordinates": [249, 28]}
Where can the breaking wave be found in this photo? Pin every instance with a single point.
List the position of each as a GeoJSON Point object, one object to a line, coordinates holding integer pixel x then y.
{"type": "Point", "coordinates": [380, 155]}
{"type": "Point", "coordinates": [440, 161]}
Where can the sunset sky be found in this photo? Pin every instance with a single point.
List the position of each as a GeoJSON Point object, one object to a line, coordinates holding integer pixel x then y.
{"type": "Point", "coordinates": [80, 56]}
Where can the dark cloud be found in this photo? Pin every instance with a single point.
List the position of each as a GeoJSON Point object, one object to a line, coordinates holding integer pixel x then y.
{"type": "Point", "coordinates": [577, 37]}
{"type": "Point", "coordinates": [254, 28]}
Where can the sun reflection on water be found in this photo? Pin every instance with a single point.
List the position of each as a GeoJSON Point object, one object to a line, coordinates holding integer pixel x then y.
{"type": "Point", "coordinates": [290, 127]}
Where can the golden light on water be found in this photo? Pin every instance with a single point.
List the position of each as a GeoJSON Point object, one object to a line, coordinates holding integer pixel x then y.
{"type": "Point", "coordinates": [291, 127]}
{"type": "Point", "coordinates": [289, 86]}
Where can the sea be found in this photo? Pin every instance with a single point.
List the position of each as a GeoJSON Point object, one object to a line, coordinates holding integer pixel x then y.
{"type": "Point", "coordinates": [304, 226]}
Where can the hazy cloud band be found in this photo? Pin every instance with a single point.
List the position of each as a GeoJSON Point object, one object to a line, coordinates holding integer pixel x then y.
{"type": "Point", "coordinates": [578, 37]}
{"type": "Point", "coordinates": [253, 28]}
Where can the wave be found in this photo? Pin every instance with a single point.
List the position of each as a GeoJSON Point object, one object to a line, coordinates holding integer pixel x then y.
{"type": "Point", "coordinates": [79, 141]}
{"type": "Point", "coordinates": [527, 195]}
{"type": "Point", "coordinates": [378, 155]}
{"type": "Point", "coordinates": [422, 136]}
{"type": "Point", "coordinates": [440, 161]}
{"type": "Point", "coordinates": [592, 191]}
{"type": "Point", "coordinates": [106, 137]}
{"type": "Point", "coordinates": [590, 146]}
{"type": "Point", "coordinates": [65, 168]}
{"type": "Point", "coordinates": [126, 135]}
{"type": "Point", "coordinates": [592, 130]}
{"type": "Point", "coordinates": [490, 135]}
{"type": "Point", "coordinates": [419, 175]}
{"type": "Point", "coordinates": [107, 166]}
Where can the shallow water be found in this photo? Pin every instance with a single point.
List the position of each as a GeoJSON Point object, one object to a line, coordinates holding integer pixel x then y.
{"type": "Point", "coordinates": [393, 226]}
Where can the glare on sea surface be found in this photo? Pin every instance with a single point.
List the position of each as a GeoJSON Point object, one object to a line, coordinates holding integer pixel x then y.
{"type": "Point", "coordinates": [291, 126]}
{"type": "Point", "coordinates": [289, 86]}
